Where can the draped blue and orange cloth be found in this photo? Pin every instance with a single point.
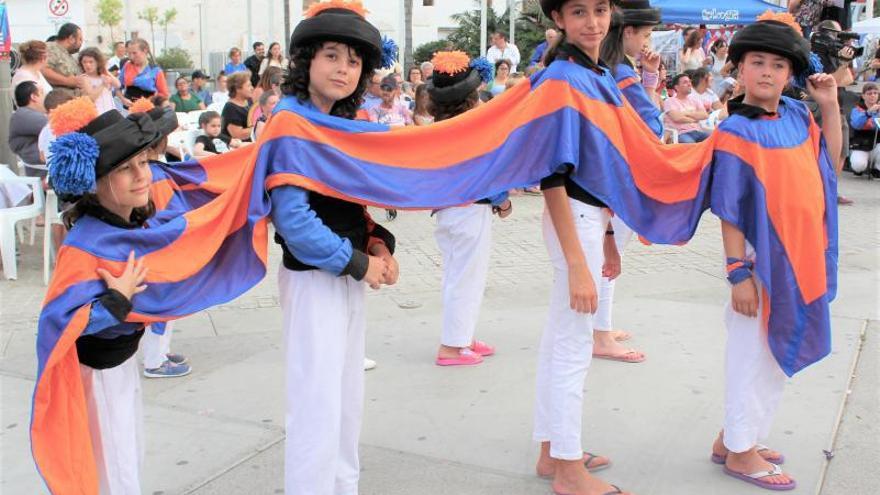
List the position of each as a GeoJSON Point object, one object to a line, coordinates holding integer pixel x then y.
{"type": "Point", "coordinates": [208, 243]}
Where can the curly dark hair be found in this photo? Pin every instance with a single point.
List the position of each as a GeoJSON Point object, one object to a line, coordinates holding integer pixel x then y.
{"type": "Point", "coordinates": [297, 81]}
{"type": "Point", "coordinates": [89, 203]}
{"type": "Point", "coordinates": [443, 111]}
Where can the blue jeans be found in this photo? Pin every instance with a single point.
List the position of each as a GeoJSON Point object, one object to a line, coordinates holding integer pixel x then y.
{"type": "Point", "coordinates": [693, 137]}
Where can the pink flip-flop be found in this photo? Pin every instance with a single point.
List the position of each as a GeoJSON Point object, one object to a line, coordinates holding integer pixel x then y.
{"type": "Point", "coordinates": [466, 357]}
{"type": "Point", "coordinates": [621, 357]}
{"type": "Point", "coordinates": [755, 478]}
{"type": "Point", "coordinates": [721, 459]}
{"type": "Point", "coordinates": [482, 348]}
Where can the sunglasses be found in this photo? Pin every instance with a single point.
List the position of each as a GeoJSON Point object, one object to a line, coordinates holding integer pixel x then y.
{"type": "Point", "coordinates": [386, 88]}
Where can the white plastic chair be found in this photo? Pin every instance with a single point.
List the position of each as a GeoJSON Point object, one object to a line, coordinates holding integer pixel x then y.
{"type": "Point", "coordinates": [22, 169]}
{"type": "Point", "coordinates": [193, 118]}
{"type": "Point", "coordinates": [182, 120]}
{"type": "Point", "coordinates": [712, 122]}
{"type": "Point", "coordinates": [52, 218]}
{"type": "Point", "coordinates": [184, 140]}
{"type": "Point", "coordinates": [9, 217]}
{"type": "Point", "coordinates": [216, 107]}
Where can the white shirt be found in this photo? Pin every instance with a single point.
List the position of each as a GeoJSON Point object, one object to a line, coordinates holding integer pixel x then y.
{"type": "Point", "coordinates": [219, 97]}
{"type": "Point", "coordinates": [510, 52]}
{"type": "Point", "coordinates": [114, 60]}
{"type": "Point", "coordinates": [44, 140]}
{"type": "Point", "coordinates": [708, 98]}
{"type": "Point", "coordinates": [24, 74]}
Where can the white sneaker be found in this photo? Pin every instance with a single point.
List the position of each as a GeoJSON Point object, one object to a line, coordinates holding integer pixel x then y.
{"type": "Point", "coordinates": [369, 364]}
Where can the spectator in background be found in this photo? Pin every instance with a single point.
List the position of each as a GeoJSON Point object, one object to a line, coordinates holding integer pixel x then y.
{"type": "Point", "coordinates": [427, 70]}
{"type": "Point", "coordinates": [119, 53]}
{"type": "Point", "coordinates": [684, 111]}
{"type": "Point", "coordinates": [234, 119]}
{"type": "Point", "coordinates": [101, 84]}
{"type": "Point", "coordinates": [807, 13]}
{"type": "Point", "coordinates": [139, 77]}
{"type": "Point", "coordinates": [234, 65]}
{"type": "Point", "coordinates": [34, 56]}
{"type": "Point", "coordinates": [275, 58]}
{"type": "Point", "coordinates": [662, 88]}
{"type": "Point", "coordinates": [373, 95]}
{"type": "Point", "coordinates": [184, 100]}
{"type": "Point", "coordinates": [61, 69]}
{"type": "Point", "coordinates": [537, 59]}
{"type": "Point", "coordinates": [212, 141]}
{"type": "Point", "coordinates": [502, 50]}
{"type": "Point", "coordinates": [692, 55]}
{"type": "Point", "coordinates": [52, 101]}
{"type": "Point", "coordinates": [221, 93]}
{"type": "Point", "coordinates": [270, 82]}
{"type": "Point", "coordinates": [391, 111]}
{"type": "Point", "coordinates": [421, 114]}
{"type": "Point", "coordinates": [718, 67]}
{"type": "Point", "coordinates": [199, 87]}
{"type": "Point", "coordinates": [414, 76]}
{"type": "Point", "coordinates": [701, 81]}
{"type": "Point", "coordinates": [863, 145]}
{"type": "Point", "coordinates": [26, 123]}
{"type": "Point", "coordinates": [254, 62]}
{"type": "Point", "coordinates": [266, 104]}
{"type": "Point", "coordinates": [502, 72]}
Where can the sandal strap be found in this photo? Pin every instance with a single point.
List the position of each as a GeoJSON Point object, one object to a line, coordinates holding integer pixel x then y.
{"type": "Point", "coordinates": [615, 492]}
{"type": "Point", "coordinates": [776, 471]}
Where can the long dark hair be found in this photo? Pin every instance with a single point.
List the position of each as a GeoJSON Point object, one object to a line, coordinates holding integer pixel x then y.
{"type": "Point", "coordinates": [297, 81]}
{"type": "Point", "coordinates": [89, 203]}
{"type": "Point", "coordinates": [612, 51]}
{"type": "Point", "coordinates": [443, 111]}
{"type": "Point", "coordinates": [97, 56]}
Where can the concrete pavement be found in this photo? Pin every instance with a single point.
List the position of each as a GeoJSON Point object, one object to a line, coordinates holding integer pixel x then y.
{"type": "Point", "coordinates": [431, 430]}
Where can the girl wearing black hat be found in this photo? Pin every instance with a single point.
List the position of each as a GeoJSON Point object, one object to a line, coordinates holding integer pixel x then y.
{"type": "Point", "coordinates": [104, 166]}
{"type": "Point", "coordinates": [464, 233]}
{"type": "Point", "coordinates": [332, 251]}
{"type": "Point", "coordinates": [628, 38]}
{"type": "Point", "coordinates": [766, 54]}
{"type": "Point", "coordinates": [574, 231]}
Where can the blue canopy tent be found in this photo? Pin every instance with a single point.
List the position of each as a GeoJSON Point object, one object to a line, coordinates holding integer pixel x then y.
{"type": "Point", "coordinates": [722, 12]}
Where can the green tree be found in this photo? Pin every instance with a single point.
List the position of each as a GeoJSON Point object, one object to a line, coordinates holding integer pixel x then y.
{"type": "Point", "coordinates": [110, 15]}
{"type": "Point", "coordinates": [530, 27]}
{"type": "Point", "coordinates": [174, 58]}
{"type": "Point", "coordinates": [151, 15]}
{"type": "Point", "coordinates": [424, 52]}
{"type": "Point", "coordinates": [167, 18]}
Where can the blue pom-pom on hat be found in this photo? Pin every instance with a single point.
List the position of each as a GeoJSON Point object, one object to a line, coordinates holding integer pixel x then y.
{"type": "Point", "coordinates": [389, 52]}
{"type": "Point", "coordinates": [72, 164]}
{"type": "Point", "coordinates": [484, 67]}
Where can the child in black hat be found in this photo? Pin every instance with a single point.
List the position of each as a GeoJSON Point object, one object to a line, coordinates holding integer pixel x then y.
{"type": "Point", "coordinates": [581, 253]}
{"type": "Point", "coordinates": [102, 163]}
{"type": "Point", "coordinates": [463, 233]}
{"type": "Point", "coordinates": [768, 55]}
{"type": "Point", "coordinates": [331, 251]}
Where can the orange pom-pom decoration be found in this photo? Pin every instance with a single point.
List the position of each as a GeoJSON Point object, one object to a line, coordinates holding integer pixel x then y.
{"type": "Point", "coordinates": [353, 5]}
{"type": "Point", "coordinates": [141, 105]}
{"type": "Point", "coordinates": [451, 62]}
{"type": "Point", "coordinates": [72, 115]}
{"type": "Point", "coordinates": [782, 17]}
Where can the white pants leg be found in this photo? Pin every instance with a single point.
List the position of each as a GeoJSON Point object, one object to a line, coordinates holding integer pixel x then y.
{"type": "Point", "coordinates": [464, 236]}
{"type": "Point", "coordinates": [567, 343]}
{"type": "Point", "coordinates": [754, 380]}
{"type": "Point", "coordinates": [115, 410]}
{"type": "Point", "coordinates": [156, 347]}
{"type": "Point", "coordinates": [324, 323]}
{"type": "Point", "coordinates": [602, 319]}
{"type": "Point", "coordinates": [858, 160]}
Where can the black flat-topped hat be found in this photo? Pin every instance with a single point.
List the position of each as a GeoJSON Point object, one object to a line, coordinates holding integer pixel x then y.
{"type": "Point", "coordinates": [774, 37]}
{"type": "Point", "coordinates": [639, 13]}
{"type": "Point", "coordinates": [549, 6]}
{"type": "Point", "coordinates": [343, 21]}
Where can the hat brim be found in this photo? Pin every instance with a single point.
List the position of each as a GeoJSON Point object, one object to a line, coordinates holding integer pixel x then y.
{"type": "Point", "coordinates": [456, 92]}
{"type": "Point", "coordinates": [771, 37]}
{"type": "Point", "coordinates": [343, 26]}
{"type": "Point", "coordinates": [642, 17]}
{"type": "Point", "coordinates": [548, 6]}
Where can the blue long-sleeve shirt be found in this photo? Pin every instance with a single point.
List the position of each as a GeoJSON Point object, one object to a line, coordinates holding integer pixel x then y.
{"type": "Point", "coordinates": [861, 120]}
{"type": "Point", "coordinates": [538, 54]}
{"type": "Point", "coordinates": [638, 97]}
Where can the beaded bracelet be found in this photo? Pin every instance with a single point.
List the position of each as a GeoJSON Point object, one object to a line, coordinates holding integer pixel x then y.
{"type": "Point", "coordinates": [650, 79]}
{"type": "Point", "coordinates": [739, 270]}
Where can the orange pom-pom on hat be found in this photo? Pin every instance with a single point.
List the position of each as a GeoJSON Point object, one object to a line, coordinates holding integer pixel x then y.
{"type": "Point", "coordinates": [353, 5]}
{"type": "Point", "coordinates": [781, 17]}
{"type": "Point", "coordinates": [141, 105]}
{"type": "Point", "coordinates": [72, 115]}
{"type": "Point", "coordinates": [451, 63]}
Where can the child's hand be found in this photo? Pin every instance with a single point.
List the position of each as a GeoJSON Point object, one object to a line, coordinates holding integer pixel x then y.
{"type": "Point", "coordinates": [234, 143]}
{"type": "Point", "coordinates": [650, 60]}
{"type": "Point", "coordinates": [393, 271]}
{"type": "Point", "coordinates": [823, 89]}
{"type": "Point", "coordinates": [582, 290]}
{"type": "Point", "coordinates": [744, 298]}
{"type": "Point", "coordinates": [612, 267]}
{"type": "Point", "coordinates": [375, 272]}
{"type": "Point", "coordinates": [131, 281]}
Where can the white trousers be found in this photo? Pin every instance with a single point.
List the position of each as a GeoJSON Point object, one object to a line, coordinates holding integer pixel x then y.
{"type": "Point", "coordinates": [859, 160]}
{"type": "Point", "coordinates": [602, 319]}
{"type": "Point", "coordinates": [754, 380]}
{"type": "Point", "coordinates": [156, 347]}
{"type": "Point", "coordinates": [567, 343]}
{"type": "Point", "coordinates": [464, 236]}
{"type": "Point", "coordinates": [324, 322]}
{"type": "Point", "coordinates": [115, 411]}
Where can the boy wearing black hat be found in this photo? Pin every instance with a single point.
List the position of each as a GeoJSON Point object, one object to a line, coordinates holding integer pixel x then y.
{"type": "Point", "coordinates": [767, 54]}
{"type": "Point", "coordinates": [332, 251]}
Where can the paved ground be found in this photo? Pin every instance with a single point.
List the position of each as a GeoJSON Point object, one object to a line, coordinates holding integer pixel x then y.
{"type": "Point", "coordinates": [432, 431]}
